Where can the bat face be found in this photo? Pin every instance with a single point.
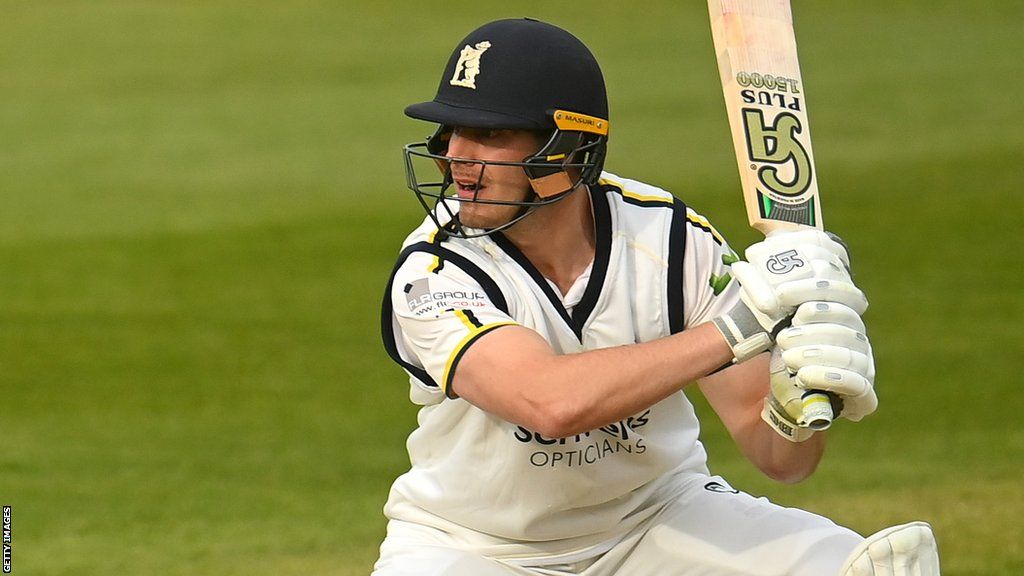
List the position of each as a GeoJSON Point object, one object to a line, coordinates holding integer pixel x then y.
{"type": "Point", "coordinates": [763, 90]}
{"type": "Point", "coordinates": [778, 149]}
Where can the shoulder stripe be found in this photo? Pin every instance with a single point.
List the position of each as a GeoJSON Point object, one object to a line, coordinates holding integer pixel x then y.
{"type": "Point", "coordinates": [636, 198]}
{"type": "Point", "coordinates": [474, 334]}
{"type": "Point", "coordinates": [646, 199]}
{"type": "Point", "coordinates": [676, 254]}
{"type": "Point", "coordinates": [387, 329]}
{"type": "Point", "coordinates": [468, 319]}
{"type": "Point", "coordinates": [435, 239]}
{"type": "Point", "coordinates": [462, 263]}
{"type": "Point", "coordinates": [702, 223]}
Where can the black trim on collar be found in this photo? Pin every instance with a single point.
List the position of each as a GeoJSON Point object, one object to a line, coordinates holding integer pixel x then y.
{"type": "Point", "coordinates": [513, 252]}
{"type": "Point", "coordinates": [386, 313]}
{"type": "Point", "coordinates": [602, 255]}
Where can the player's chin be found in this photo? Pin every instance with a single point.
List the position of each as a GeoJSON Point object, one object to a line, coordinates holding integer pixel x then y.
{"type": "Point", "coordinates": [485, 216]}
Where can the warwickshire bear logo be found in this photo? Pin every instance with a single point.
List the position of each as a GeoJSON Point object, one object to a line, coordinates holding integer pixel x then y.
{"type": "Point", "coordinates": [468, 66]}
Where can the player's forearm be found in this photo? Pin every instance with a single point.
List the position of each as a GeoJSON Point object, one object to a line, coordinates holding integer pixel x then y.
{"type": "Point", "coordinates": [563, 395]}
{"type": "Point", "coordinates": [604, 386]}
{"type": "Point", "coordinates": [738, 395]}
{"type": "Point", "coordinates": [778, 458]}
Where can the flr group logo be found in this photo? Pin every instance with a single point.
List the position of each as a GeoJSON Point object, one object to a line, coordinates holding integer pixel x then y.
{"type": "Point", "coordinates": [423, 298]}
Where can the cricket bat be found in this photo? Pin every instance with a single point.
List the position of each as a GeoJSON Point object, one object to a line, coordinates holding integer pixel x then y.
{"type": "Point", "coordinates": [764, 97]}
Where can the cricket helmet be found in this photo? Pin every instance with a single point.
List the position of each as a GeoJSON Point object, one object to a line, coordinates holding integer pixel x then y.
{"type": "Point", "coordinates": [516, 74]}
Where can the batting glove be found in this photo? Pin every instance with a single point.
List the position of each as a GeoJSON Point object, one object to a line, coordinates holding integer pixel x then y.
{"type": "Point", "coordinates": [789, 268]}
{"type": "Point", "coordinates": [783, 407]}
{"type": "Point", "coordinates": [826, 349]}
{"type": "Point", "coordinates": [782, 272]}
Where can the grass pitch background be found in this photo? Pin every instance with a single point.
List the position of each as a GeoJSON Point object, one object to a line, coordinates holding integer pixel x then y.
{"type": "Point", "coordinates": [200, 203]}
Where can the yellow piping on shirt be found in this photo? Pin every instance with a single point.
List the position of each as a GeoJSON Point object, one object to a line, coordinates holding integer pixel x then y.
{"type": "Point", "coordinates": [475, 331]}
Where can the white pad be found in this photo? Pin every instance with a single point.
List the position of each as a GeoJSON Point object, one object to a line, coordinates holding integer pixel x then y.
{"type": "Point", "coordinates": [904, 550]}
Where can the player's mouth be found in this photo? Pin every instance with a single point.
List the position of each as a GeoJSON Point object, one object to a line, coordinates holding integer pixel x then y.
{"type": "Point", "coordinates": [467, 188]}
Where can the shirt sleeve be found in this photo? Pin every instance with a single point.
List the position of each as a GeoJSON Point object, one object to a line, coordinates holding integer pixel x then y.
{"type": "Point", "coordinates": [709, 289]}
{"type": "Point", "coordinates": [439, 311]}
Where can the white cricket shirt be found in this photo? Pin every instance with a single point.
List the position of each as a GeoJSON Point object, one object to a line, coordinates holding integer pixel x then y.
{"type": "Point", "coordinates": [659, 268]}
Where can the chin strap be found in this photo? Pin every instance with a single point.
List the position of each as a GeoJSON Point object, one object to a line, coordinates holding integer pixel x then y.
{"type": "Point", "coordinates": [551, 185]}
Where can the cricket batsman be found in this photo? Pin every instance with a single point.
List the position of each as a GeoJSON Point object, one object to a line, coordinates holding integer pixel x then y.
{"type": "Point", "coordinates": [550, 314]}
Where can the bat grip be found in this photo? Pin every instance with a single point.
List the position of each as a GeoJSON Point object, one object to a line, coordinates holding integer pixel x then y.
{"type": "Point", "coordinates": [817, 410]}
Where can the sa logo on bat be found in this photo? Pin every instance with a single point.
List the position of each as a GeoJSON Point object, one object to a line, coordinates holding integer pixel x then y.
{"type": "Point", "coordinates": [776, 144]}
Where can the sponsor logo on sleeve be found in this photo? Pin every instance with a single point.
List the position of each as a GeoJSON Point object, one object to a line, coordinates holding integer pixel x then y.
{"type": "Point", "coordinates": [423, 298]}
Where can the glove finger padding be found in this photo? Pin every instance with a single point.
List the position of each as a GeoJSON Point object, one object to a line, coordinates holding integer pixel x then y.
{"type": "Point", "coordinates": [839, 248]}
{"type": "Point", "coordinates": [834, 358]}
{"type": "Point", "coordinates": [828, 313]}
{"type": "Point", "coordinates": [785, 271]}
{"type": "Point", "coordinates": [829, 357]}
{"type": "Point", "coordinates": [839, 381]}
{"type": "Point", "coordinates": [797, 292]}
{"type": "Point", "coordinates": [811, 335]}
{"type": "Point", "coordinates": [856, 392]}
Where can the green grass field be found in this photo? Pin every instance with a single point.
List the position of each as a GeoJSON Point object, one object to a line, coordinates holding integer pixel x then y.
{"type": "Point", "coordinates": [200, 203]}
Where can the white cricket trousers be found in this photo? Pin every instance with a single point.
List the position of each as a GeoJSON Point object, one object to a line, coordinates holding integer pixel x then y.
{"type": "Point", "coordinates": [709, 530]}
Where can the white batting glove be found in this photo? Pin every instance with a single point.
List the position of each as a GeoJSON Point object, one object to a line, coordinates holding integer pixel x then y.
{"type": "Point", "coordinates": [783, 407]}
{"type": "Point", "coordinates": [789, 268]}
{"type": "Point", "coordinates": [784, 271]}
{"type": "Point", "coordinates": [747, 330]}
{"type": "Point", "coordinates": [826, 349]}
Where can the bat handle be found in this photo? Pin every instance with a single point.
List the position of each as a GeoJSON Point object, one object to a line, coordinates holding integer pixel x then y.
{"type": "Point", "coordinates": [817, 408]}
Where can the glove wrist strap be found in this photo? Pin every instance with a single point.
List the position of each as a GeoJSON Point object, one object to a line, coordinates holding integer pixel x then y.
{"type": "Point", "coordinates": [777, 418]}
{"type": "Point", "coordinates": [743, 333]}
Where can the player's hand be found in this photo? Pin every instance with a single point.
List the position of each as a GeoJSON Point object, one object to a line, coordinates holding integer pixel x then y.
{"type": "Point", "coordinates": [789, 268]}
{"type": "Point", "coordinates": [783, 407]}
{"type": "Point", "coordinates": [785, 270]}
{"type": "Point", "coordinates": [826, 349]}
